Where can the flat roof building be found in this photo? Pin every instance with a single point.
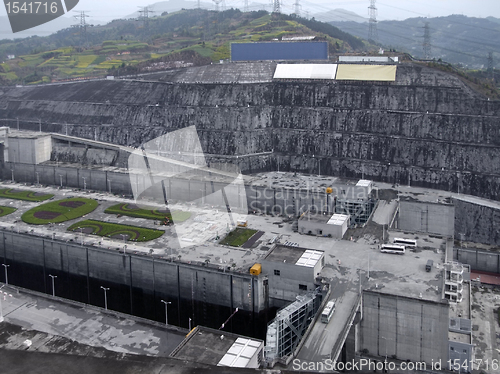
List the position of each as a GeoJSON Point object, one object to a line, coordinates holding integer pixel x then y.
{"type": "Point", "coordinates": [322, 224]}
{"type": "Point", "coordinates": [290, 271]}
{"type": "Point", "coordinates": [221, 348]}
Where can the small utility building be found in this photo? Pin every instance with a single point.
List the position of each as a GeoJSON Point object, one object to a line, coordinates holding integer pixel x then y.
{"type": "Point", "coordinates": [322, 224]}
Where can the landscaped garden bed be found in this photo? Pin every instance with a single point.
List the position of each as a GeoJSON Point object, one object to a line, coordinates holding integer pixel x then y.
{"type": "Point", "coordinates": [12, 193]}
{"type": "Point", "coordinates": [134, 210]}
{"type": "Point", "coordinates": [238, 237]}
{"type": "Point", "coordinates": [6, 210]}
{"type": "Point", "coordinates": [116, 231]}
{"type": "Point", "coordinates": [59, 211]}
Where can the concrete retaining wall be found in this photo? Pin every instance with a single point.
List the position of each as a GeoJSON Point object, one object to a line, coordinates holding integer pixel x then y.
{"type": "Point", "coordinates": [426, 217]}
{"type": "Point", "coordinates": [482, 223]}
{"type": "Point", "coordinates": [407, 328]}
{"type": "Point", "coordinates": [478, 259]}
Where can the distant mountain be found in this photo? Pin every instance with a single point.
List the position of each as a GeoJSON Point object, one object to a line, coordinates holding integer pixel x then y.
{"type": "Point", "coordinates": [456, 39]}
{"type": "Point", "coordinates": [42, 30]}
{"type": "Point", "coordinates": [339, 15]}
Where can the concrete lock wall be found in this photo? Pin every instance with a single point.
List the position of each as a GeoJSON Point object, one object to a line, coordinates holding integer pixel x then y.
{"type": "Point", "coordinates": [145, 272]}
{"type": "Point", "coordinates": [426, 217]}
{"type": "Point", "coordinates": [279, 201]}
{"type": "Point", "coordinates": [404, 328]}
{"type": "Point", "coordinates": [478, 259]}
{"type": "Point", "coordinates": [482, 224]}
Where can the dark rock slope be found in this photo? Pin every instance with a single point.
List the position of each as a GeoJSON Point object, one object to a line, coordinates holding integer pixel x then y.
{"type": "Point", "coordinates": [427, 127]}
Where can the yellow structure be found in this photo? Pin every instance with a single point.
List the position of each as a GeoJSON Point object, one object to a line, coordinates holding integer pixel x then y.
{"type": "Point", "coordinates": [256, 269]}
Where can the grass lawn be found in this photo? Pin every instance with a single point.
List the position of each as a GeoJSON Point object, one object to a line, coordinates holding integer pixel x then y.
{"type": "Point", "coordinates": [11, 193]}
{"type": "Point", "coordinates": [59, 211]}
{"type": "Point", "coordinates": [5, 210]}
{"type": "Point", "coordinates": [116, 231]}
{"type": "Point", "coordinates": [237, 237]}
{"type": "Point", "coordinates": [133, 210]}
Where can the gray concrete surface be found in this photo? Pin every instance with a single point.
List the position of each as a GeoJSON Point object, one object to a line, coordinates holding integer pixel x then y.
{"type": "Point", "coordinates": [88, 325]}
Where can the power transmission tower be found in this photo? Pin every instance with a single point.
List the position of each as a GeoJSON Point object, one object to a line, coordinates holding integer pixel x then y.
{"type": "Point", "coordinates": [372, 31]}
{"type": "Point", "coordinates": [297, 8]}
{"type": "Point", "coordinates": [83, 26]}
{"type": "Point", "coordinates": [217, 2]}
{"type": "Point", "coordinates": [245, 8]}
{"type": "Point", "coordinates": [490, 66]}
{"type": "Point", "coordinates": [144, 15]}
{"type": "Point", "coordinates": [198, 5]}
{"type": "Point", "coordinates": [427, 41]}
{"type": "Point", "coordinates": [276, 6]}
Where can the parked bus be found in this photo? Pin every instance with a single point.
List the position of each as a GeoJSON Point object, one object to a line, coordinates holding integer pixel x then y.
{"type": "Point", "coordinates": [392, 248]}
{"type": "Point", "coordinates": [408, 243]}
{"type": "Point", "coordinates": [327, 313]}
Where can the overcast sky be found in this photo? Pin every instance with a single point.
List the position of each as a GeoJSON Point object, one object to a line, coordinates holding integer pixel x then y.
{"type": "Point", "coordinates": [107, 10]}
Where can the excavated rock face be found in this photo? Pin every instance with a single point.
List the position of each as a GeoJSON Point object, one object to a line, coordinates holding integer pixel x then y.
{"type": "Point", "coordinates": [427, 127]}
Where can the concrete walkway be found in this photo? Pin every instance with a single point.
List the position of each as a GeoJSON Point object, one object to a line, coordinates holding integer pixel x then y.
{"type": "Point", "coordinates": [84, 324]}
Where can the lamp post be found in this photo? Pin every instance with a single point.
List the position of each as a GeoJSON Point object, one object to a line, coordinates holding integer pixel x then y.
{"type": "Point", "coordinates": [84, 184]}
{"type": "Point", "coordinates": [12, 171]}
{"type": "Point", "coordinates": [109, 185]}
{"type": "Point", "coordinates": [385, 343]}
{"type": "Point", "coordinates": [105, 297]}
{"type": "Point", "coordinates": [166, 310]}
{"type": "Point", "coordinates": [37, 178]}
{"type": "Point", "coordinates": [81, 235]}
{"type": "Point", "coordinates": [53, 285]}
{"type": "Point", "coordinates": [1, 307]}
{"type": "Point", "coordinates": [189, 323]}
{"type": "Point", "coordinates": [6, 275]}
{"type": "Point", "coordinates": [60, 179]}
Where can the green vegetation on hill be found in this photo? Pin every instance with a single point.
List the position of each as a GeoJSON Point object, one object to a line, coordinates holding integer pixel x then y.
{"type": "Point", "coordinates": [122, 47]}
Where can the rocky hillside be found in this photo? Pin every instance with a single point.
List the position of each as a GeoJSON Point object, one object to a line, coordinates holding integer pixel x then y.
{"type": "Point", "coordinates": [427, 126]}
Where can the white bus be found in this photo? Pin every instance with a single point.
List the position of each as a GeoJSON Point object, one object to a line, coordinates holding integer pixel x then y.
{"type": "Point", "coordinates": [328, 311]}
{"type": "Point", "coordinates": [409, 243]}
{"type": "Point", "coordinates": [392, 248]}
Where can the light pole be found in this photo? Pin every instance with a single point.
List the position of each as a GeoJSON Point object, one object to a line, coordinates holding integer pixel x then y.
{"type": "Point", "coordinates": [166, 310]}
{"type": "Point", "coordinates": [189, 323]}
{"type": "Point", "coordinates": [12, 170]}
{"type": "Point", "coordinates": [1, 307]}
{"type": "Point", "coordinates": [60, 179]}
{"type": "Point", "coordinates": [37, 178]}
{"type": "Point", "coordinates": [81, 235]}
{"type": "Point", "coordinates": [109, 184]}
{"type": "Point", "coordinates": [53, 286]}
{"type": "Point", "coordinates": [6, 275]}
{"type": "Point", "coordinates": [385, 343]}
{"type": "Point", "coordinates": [84, 184]}
{"type": "Point", "coordinates": [105, 297]}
